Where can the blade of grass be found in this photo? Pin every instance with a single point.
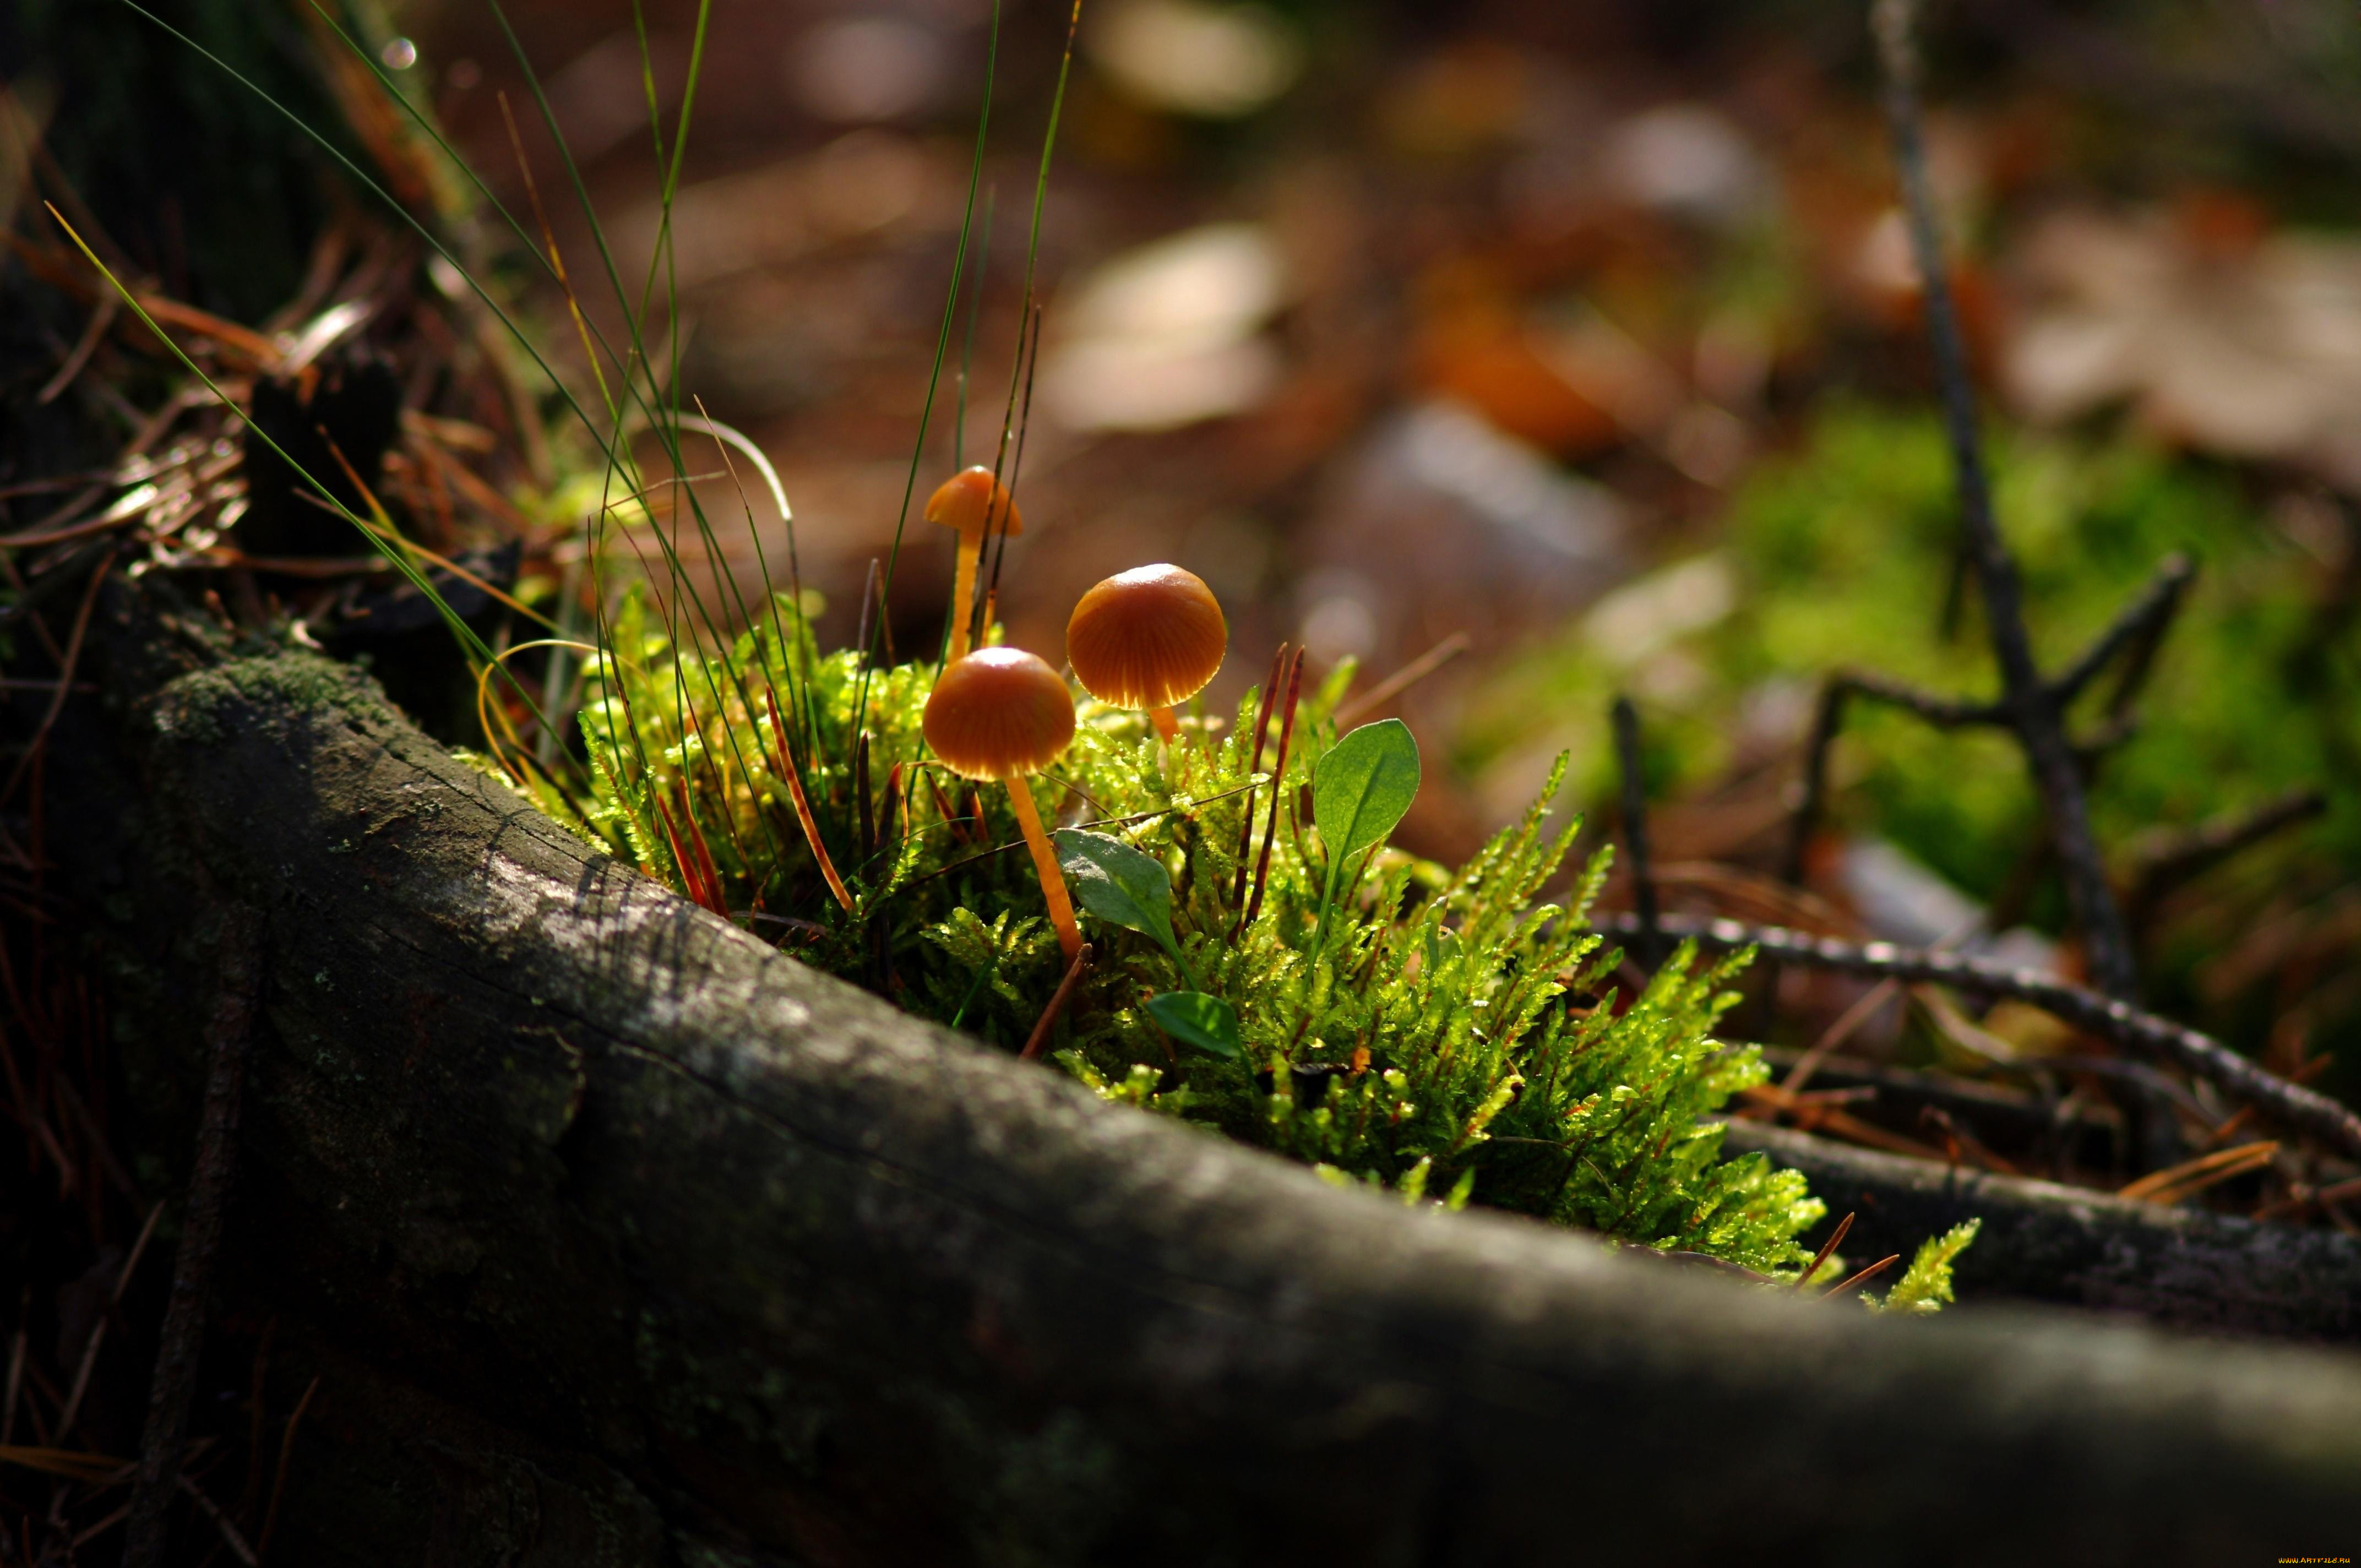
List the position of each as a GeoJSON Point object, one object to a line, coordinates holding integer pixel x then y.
{"type": "Point", "coordinates": [1028, 318]}
{"type": "Point", "coordinates": [1031, 355]}
{"type": "Point", "coordinates": [651, 404]}
{"type": "Point", "coordinates": [942, 346]}
{"type": "Point", "coordinates": [967, 350]}
{"type": "Point", "coordinates": [803, 809]}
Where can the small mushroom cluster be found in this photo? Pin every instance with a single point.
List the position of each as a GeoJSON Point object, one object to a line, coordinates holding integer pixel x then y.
{"type": "Point", "coordinates": [1149, 639]}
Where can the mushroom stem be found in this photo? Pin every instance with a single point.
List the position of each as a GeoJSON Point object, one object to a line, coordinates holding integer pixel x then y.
{"type": "Point", "coordinates": [971, 547]}
{"type": "Point", "coordinates": [1165, 725]}
{"type": "Point", "coordinates": [1045, 862]}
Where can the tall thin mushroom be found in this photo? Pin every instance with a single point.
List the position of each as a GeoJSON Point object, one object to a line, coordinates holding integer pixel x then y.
{"type": "Point", "coordinates": [1149, 637]}
{"type": "Point", "coordinates": [976, 504]}
{"type": "Point", "coordinates": [1000, 713]}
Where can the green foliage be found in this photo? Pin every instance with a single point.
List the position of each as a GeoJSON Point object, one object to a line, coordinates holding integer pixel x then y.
{"type": "Point", "coordinates": [1196, 1019]}
{"type": "Point", "coordinates": [1847, 550]}
{"type": "Point", "coordinates": [1840, 554]}
{"type": "Point", "coordinates": [1121, 885]}
{"type": "Point", "coordinates": [1926, 1285]}
{"type": "Point", "coordinates": [1386, 1020]}
{"type": "Point", "coordinates": [1362, 789]}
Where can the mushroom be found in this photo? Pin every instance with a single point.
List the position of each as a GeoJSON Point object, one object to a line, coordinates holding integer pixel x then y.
{"type": "Point", "coordinates": [1000, 713]}
{"type": "Point", "coordinates": [975, 503]}
{"type": "Point", "coordinates": [1148, 637]}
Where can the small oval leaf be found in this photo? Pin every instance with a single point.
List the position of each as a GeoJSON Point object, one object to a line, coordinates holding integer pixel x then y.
{"type": "Point", "coordinates": [1362, 787]}
{"type": "Point", "coordinates": [1196, 1019]}
{"type": "Point", "coordinates": [1121, 885]}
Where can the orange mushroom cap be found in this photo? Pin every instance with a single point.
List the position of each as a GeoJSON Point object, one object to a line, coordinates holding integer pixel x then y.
{"type": "Point", "coordinates": [1148, 637]}
{"type": "Point", "coordinates": [971, 500]}
{"type": "Point", "coordinates": [999, 713]}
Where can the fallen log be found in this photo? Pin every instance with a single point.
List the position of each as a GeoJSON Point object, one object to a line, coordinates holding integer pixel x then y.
{"type": "Point", "coordinates": [596, 1205]}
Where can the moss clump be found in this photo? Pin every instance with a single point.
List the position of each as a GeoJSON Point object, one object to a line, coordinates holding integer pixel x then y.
{"type": "Point", "coordinates": [1448, 1035]}
{"type": "Point", "coordinates": [194, 705]}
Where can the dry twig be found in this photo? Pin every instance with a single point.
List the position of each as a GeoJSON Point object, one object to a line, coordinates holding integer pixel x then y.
{"type": "Point", "coordinates": [2288, 1103]}
{"type": "Point", "coordinates": [1635, 827]}
{"type": "Point", "coordinates": [1037, 1041]}
{"type": "Point", "coordinates": [2031, 708]}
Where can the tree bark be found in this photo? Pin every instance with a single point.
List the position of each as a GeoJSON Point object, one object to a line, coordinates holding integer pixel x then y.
{"type": "Point", "coordinates": [623, 1239]}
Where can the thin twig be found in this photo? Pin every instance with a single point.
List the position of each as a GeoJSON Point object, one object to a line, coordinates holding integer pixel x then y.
{"type": "Point", "coordinates": [1863, 1278]}
{"type": "Point", "coordinates": [2193, 1177]}
{"type": "Point", "coordinates": [1040, 1038]}
{"type": "Point", "coordinates": [1942, 712]}
{"type": "Point", "coordinates": [2032, 706]}
{"type": "Point", "coordinates": [16, 1347]}
{"type": "Point", "coordinates": [278, 1478]}
{"type": "Point", "coordinates": [65, 678]}
{"type": "Point", "coordinates": [1635, 827]}
{"type": "Point", "coordinates": [1277, 792]}
{"type": "Point", "coordinates": [1828, 722]}
{"type": "Point", "coordinates": [2270, 1094]}
{"type": "Point", "coordinates": [1958, 1140]}
{"type": "Point", "coordinates": [229, 1035]}
{"type": "Point", "coordinates": [101, 319]}
{"type": "Point", "coordinates": [2148, 1078]}
{"type": "Point", "coordinates": [98, 1330]}
{"type": "Point", "coordinates": [1261, 730]}
{"type": "Point", "coordinates": [1401, 680]}
{"type": "Point", "coordinates": [870, 604]}
{"type": "Point", "coordinates": [1863, 1009]}
{"type": "Point", "coordinates": [2165, 862]}
{"type": "Point", "coordinates": [230, 1534]}
{"type": "Point", "coordinates": [2139, 627]}
{"type": "Point", "coordinates": [1836, 1238]}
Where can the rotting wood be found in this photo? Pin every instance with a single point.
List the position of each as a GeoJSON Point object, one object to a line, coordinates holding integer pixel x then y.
{"type": "Point", "coordinates": [585, 1165]}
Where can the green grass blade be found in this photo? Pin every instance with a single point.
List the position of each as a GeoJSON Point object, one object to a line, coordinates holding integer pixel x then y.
{"type": "Point", "coordinates": [942, 346]}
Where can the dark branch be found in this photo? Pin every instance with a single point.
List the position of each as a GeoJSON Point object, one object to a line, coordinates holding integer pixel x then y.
{"type": "Point", "coordinates": [2270, 1094]}
{"type": "Point", "coordinates": [2165, 862]}
{"type": "Point", "coordinates": [1942, 712]}
{"type": "Point", "coordinates": [2032, 709]}
{"type": "Point", "coordinates": [1827, 723]}
{"type": "Point", "coordinates": [1635, 826]}
{"type": "Point", "coordinates": [2139, 628]}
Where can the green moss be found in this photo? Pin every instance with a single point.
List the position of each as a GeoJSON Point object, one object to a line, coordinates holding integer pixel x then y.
{"type": "Point", "coordinates": [195, 705]}
{"type": "Point", "coordinates": [1443, 1035]}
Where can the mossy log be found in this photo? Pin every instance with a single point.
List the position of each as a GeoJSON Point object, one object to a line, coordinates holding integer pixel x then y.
{"type": "Point", "coordinates": [623, 1239]}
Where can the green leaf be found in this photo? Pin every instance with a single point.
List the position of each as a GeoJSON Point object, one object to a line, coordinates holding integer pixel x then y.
{"type": "Point", "coordinates": [1363, 786]}
{"type": "Point", "coordinates": [1359, 791]}
{"type": "Point", "coordinates": [1118, 884]}
{"type": "Point", "coordinates": [1196, 1019]}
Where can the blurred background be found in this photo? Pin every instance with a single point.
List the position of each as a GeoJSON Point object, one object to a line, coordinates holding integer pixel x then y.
{"type": "Point", "coordinates": [1582, 342]}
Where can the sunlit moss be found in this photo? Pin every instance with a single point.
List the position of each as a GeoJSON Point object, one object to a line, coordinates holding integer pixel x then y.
{"type": "Point", "coordinates": [1447, 1036]}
